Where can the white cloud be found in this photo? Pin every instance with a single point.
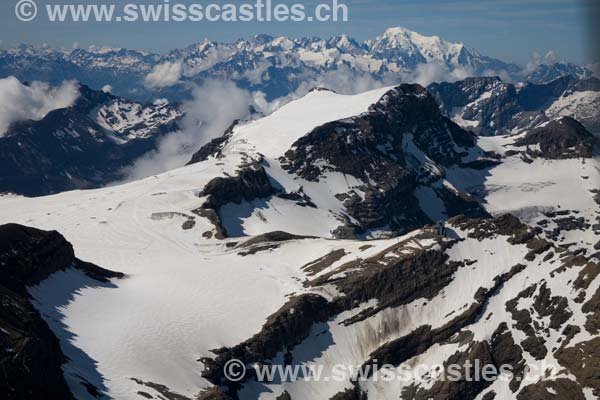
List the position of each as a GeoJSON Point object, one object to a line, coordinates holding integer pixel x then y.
{"type": "Point", "coordinates": [215, 105]}
{"type": "Point", "coordinates": [19, 102]}
{"type": "Point", "coordinates": [164, 75]}
{"type": "Point", "coordinates": [160, 102]}
{"type": "Point", "coordinates": [213, 108]}
{"type": "Point", "coordinates": [426, 74]}
{"type": "Point", "coordinates": [107, 89]}
{"type": "Point", "coordinates": [537, 60]}
{"type": "Point", "coordinates": [344, 80]}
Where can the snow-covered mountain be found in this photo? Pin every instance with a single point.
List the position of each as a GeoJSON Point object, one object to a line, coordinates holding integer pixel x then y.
{"type": "Point", "coordinates": [81, 146]}
{"type": "Point", "coordinates": [489, 106]}
{"type": "Point", "coordinates": [276, 66]}
{"type": "Point", "coordinates": [233, 257]}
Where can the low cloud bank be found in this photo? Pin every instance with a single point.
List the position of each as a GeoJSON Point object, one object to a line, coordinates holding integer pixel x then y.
{"type": "Point", "coordinates": [20, 102]}
{"type": "Point", "coordinates": [214, 106]}
{"type": "Point", "coordinates": [426, 74]}
{"type": "Point", "coordinates": [164, 75]}
{"type": "Point", "coordinates": [538, 60]}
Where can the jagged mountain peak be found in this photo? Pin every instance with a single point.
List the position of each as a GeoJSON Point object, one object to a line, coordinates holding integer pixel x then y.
{"type": "Point", "coordinates": [489, 106]}
{"type": "Point", "coordinates": [344, 42]}
{"type": "Point", "coordinates": [386, 145]}
{"type": "Point", "coordinates": [410, 49]}
{"type": "Point", "coordinates": [84, 145]}
{"type": "Point", "coordinates": [397, 32]}
{"type": "Point", "coordinates": [560, 138]}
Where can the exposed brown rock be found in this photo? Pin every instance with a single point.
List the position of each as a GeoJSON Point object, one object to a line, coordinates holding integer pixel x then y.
{"type": "Point", "coordinates": [560, 139]}
{"type": "Point", "coordinates": [564, 389]}
{"type": "Point", "coordinates": [213, 393]}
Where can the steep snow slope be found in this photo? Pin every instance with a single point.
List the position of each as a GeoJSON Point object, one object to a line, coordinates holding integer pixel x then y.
{"type": "Point", "coordinates": [376, 173]}
{"type": "Point", "coordinates": [296, 119]}
{"type": "Point", "coordinates": [492, 291]}
{"type": "Point", "coordinates": [137, 229]}
{"type": "Point", "coordinates": [583, 106]}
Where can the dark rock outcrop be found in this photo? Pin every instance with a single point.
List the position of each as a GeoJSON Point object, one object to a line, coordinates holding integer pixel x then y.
{"type": "Point", "coordinates": [250, 183]}
{"type": "Point", "coordinates": [493, 107]}
{"type": "Point", "coordinates": [379, 148]}
{"type": "Point", "coordinates": [213, 394]}
{"type": "Point", "coordinates": [285, 329]}
{"type": "Point", "coordinates": [351, 394]}
{"type": "Point", "coordinates": [69, 149]}
{"type": "Point", "coordinates": [213, 147]}
{"type": "Point", "coordinates": [395, 277]}
{"type": "Point", "coordinates": [560, 139]}
{"type": "Point", "coordinates": [31, 357]}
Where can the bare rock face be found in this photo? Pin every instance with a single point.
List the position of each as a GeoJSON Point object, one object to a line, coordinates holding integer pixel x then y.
{"type": "Point", "coordinates": [488, 106]}
{"type": "Point", "coordinates": [377, 147]}
{"type": "Point", "coordinates": [213, 394]}
{"type": "Point", "coordinates": [83, 146]}
{"type": "Point", "coordinates": [283, 330]}
{"type": "Point", "coordinates": [250, 183]}
{"type": "Point", "coordinates": [213, 147]}
{"type": "Point", "coordinates": [31, 357]}
{"type": "Point", "coordinates": [350, 394]}
{"type": "Point", "coordinates": [495, 114]}
{"type": "Point", "coordinates": [28, 256]}
{"type": "Point", "coordinates": [397, 277]}
{"type": "Point", "coordinates": [560, 139]}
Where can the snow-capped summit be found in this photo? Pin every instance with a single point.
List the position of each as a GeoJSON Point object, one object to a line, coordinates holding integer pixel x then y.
{"type": "Point", "coordinates": [290, 62]}
{"type": "Point", "coordinates": [345, 43]}
{"type": "Point", "coordinates": [410, 48]}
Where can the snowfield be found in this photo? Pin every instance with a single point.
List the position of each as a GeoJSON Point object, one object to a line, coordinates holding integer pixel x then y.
{"type": "Point", "coordinates": [185, 295]}
{"type": "Point", "coordinates": [273, 135]}
{"type": "Point", "coordinates": [175, 287]}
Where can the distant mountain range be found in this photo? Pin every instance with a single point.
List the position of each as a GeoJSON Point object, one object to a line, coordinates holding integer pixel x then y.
{"type": "Point", "coordinates": [276, 66]}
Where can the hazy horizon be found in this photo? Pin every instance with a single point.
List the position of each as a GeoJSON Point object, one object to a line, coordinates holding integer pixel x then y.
{"type": "Point", "coordinates": [510, 30]}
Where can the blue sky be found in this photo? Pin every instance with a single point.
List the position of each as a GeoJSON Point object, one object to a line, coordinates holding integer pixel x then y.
{"type": "Point", "coordinates": [508, 29]}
